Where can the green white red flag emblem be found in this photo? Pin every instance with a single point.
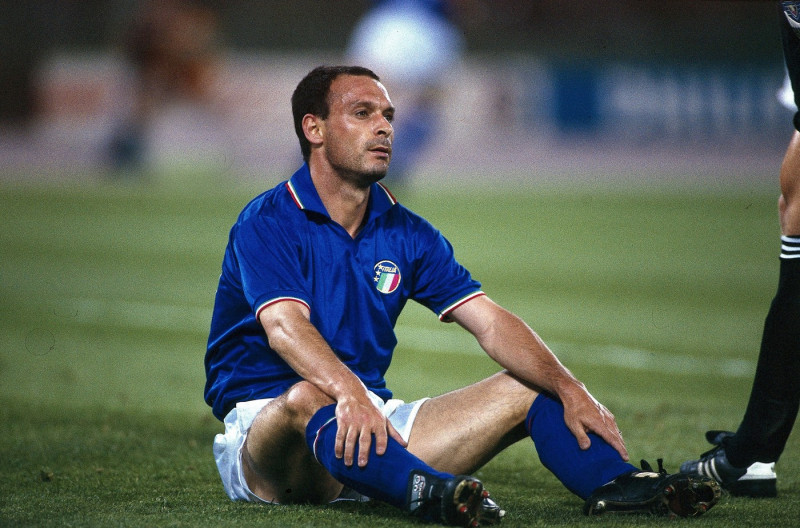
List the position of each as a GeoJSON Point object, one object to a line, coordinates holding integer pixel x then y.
{"type": "Point", "coordinates": [387, 276]}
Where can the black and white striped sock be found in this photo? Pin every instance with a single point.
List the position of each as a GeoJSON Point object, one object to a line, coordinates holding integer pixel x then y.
{"type": "Point", "coordinates": [790, 247]}
{"type": "Point", "coordinates": [775, 396]}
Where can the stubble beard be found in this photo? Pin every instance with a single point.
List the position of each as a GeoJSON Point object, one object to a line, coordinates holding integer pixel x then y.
{"type": "Point", "coordinates": [359, 175]}
{"type": "Point", "coordinates": [366, 178]}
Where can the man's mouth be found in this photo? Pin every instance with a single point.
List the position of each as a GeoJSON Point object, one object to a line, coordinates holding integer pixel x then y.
{"type": "Point", "coordinates": [382, 149]}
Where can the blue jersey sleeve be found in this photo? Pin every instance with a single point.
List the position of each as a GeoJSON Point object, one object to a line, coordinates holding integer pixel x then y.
{"type": "Point", "coordinates": [441, 282]}
{"type": "Point", "coordinates": [270, 263]}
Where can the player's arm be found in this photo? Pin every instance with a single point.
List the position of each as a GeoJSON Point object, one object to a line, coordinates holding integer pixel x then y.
{"type": "Point", "coordinates": [517, 348]}
{"type": "Point", "coordinates": [300, 344]}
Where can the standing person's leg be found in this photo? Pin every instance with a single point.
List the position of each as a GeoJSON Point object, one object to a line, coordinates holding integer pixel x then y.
{"type": "Point", "coordinates": [774, 399]}
{"type": "Point", "coordinates": [743, 462]}
{"type": "Point", "coordinates": [775, 396]}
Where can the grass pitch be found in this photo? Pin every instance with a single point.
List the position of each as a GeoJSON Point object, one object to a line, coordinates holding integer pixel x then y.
{"type": "Point", "coordinates": [653, 297]}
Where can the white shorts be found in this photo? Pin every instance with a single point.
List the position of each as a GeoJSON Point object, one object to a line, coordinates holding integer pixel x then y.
{"type": "Point", "coordinates": [228, 446]}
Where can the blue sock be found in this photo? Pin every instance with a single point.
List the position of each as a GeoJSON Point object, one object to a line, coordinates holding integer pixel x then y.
{"type": "Point", "coordinates": [580, 471]}
{"type": "Point", "coordinates": [385, 477]}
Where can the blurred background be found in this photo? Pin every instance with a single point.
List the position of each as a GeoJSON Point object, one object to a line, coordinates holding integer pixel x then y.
{"type": "Point", "coordinates": [505, 88]}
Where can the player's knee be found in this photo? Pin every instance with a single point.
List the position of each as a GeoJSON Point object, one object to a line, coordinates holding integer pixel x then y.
{"type": "Point", "coordinates": [303, 399]}
{"type": "Point", "coordinates": [789, 214]}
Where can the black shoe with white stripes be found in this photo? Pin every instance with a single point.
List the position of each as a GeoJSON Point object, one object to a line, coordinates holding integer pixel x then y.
{"type": "Point", "coordinates": [756, 480]}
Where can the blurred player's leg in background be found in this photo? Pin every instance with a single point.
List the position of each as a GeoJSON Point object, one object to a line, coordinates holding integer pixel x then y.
{"type": "Point", "coordinates": [171, 47]}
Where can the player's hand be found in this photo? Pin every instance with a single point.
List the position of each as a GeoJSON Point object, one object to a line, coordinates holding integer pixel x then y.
{"type": "Point", "coordinates": [584, 414]}
{"type": "Point", "coordinates": [357, 422]}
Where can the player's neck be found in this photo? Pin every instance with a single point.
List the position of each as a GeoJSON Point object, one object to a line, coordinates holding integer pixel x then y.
{"type": "Point", "coordinates": [345, 202]}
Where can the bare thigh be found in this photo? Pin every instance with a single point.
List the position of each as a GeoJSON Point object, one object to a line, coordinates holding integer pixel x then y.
{"type": "Point", "coordinates": [278, 465]}
{"type": "Point", "coordinates": [462, 430]}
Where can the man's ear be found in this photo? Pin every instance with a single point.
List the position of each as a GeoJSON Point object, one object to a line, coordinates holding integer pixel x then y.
{"type": "Point", "coordinates": [313, 127]}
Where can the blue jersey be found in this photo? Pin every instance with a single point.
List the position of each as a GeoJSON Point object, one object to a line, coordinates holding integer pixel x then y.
{"type": "Point", "coordinates": [285, 247]}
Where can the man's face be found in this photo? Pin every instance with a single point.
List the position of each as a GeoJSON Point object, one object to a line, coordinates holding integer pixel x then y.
{"type": "Point", "coordinates": [358, 132]}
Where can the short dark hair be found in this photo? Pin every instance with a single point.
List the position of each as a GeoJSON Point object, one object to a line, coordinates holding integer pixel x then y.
{"type": "Point", "coordinates": [311, 96]}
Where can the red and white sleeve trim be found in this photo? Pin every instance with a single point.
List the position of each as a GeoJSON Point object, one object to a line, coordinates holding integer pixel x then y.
{"type": "Point", "coordinates": [277, 300]}
{"type": "Point", "coordinates": [444, 316]}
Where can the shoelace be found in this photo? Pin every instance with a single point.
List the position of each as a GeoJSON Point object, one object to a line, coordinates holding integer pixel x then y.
{"type": "Point", "coordinates": [647, 467]}
{"type": "Point", "coordinates": [711, 452]}
{"type": "Point", "coordinates": [719, 440]}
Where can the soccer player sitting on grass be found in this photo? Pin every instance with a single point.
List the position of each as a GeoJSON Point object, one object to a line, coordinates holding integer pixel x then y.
{"type": "Point", "coordinates": [315, 275]}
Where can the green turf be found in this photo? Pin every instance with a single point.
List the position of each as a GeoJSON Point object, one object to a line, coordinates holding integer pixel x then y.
{"type": "Point", "coordinates": [655, 297]}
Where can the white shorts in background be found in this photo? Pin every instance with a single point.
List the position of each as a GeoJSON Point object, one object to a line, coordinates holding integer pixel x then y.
{"type": "Point", "coordinates": [228, 446]}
